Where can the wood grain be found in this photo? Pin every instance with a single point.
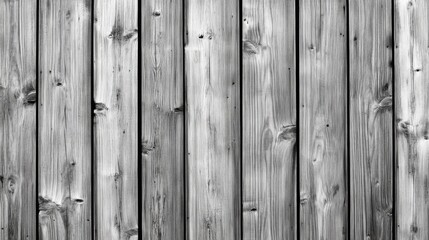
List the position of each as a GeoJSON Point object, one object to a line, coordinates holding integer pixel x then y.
{"type": "Point", "coordinates": [322, 127]}
{"type": "Point", "coordinates": [115, 122]}
{"type": "Point", "coordinates": [17, 119]}
{"type": "Point", "coordinates": [64, 143]}
{"type": "Point", "coordinates": [269, 120]}
{"type": "Point", "coordinates": [412, 118]}
{"type": "Point", "coordinates": [371, 130]}
{"type": "Point", "coordinates": [212, 120]}
{"type": "Point", "coordinates": [162, 120]}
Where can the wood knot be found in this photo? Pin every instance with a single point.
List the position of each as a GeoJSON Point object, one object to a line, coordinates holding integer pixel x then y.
{"type": "Point", "coordinates": [404, 127]}
{"type": "Point", "coordinates": [287, 133]}
{"type": "Point", "coordinates": [12, 183]}
{"type": "Point", "coordinates": [147, 147]}
{"type": "Point", "coordinates": [30, 98]}
{"type": "Point", "coordinates": [385, 104]}
{"type": "Point", "coordinates": [100, 109]}
{"type": "Point", "coordinates": [250, 47]}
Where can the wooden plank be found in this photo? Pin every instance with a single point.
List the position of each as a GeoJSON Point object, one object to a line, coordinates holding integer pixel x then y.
{"type": "Point", "coordinates": [269, 120]}
{"type": "Point", "coordinates": [371, 130]}
{"type": "Point", "coordinates": [162, 120]}
{"type": "Point", "coordinates": [212, 119]}
{"type": "Point", "coordinates": [116, 114]}
{"type": "Point", "coordinates": [322, 128]}
{"type": "Point", "coordinates": [65, 119]}
{"type": "Point", "coordinates": [412, 118]}
{"type": "Point", "coordinates": [17, 119]}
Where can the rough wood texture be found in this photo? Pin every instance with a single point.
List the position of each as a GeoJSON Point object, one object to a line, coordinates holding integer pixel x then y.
{"type": "Point", "coordinates": [65, 119]}
{"type": "Point", "coordinates": [412, 118]}
{"type": "Point", "coordinates": [17, 119]}
{"type": "Point", "coordinates": [115, 122]}
{"type": "Point", "coordinates": [322, 128]}
{"type": "Point", "coordinates": [213, 119]}
{"type": "Point", "coordinates": [269, 120]}
{"type": "Point", "coordinates": [371, 131]}
{"type": "Point", "coordinates": [162, 120]}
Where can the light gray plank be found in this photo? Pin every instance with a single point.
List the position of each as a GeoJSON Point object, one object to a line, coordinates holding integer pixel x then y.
{"type": "Point", "coordinates": [65, 119]}
{"type": "Point", "coordinates": [115, 118]}
{"type": "Point", "coordinates": [213, 119]}
{"type": "Point", "coordinates": [412, 118]}
{"type": "Point", "coordinates": [269, 120]}
{"type": "Point", "coordinates": [371, 131]}
{"type": "Point", "coordinates": [18, 119]}
{"type": "Point", "coordinates": [323, 119]}
{"type": "Point", "coordinates": [163, 143]}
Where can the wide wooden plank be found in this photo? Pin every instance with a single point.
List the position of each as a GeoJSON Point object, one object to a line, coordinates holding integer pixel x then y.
{"type": "Point", "coordinates": [64, 119]}
{"type": "Point", "coordinates": [323, 119]}
{"type": "Point", "coordinates": [212, 119]}
{"type": "Point", "coordinates": [163, 145]}
{"type": "Point", "coordinates": [115, 118]}
{"type": "Point", "coordinates": [18, 119]}
{"type": "Point", "coordinates": [412, 118]}
{"type": "Point", "coordinates": [269, 120]}
{"type": "Point", "coordinates": [371, 130]}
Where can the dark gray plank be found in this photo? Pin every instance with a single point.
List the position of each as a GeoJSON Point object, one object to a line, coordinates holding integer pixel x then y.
{"type": "Point", "coordinates": [17, 119]}
{"type": "Point", "coordinates": [213, 119]}
{"type": "Point", "coordinates": [162, 120]}
{"type": "Point", "coordinates": [322, 128]}
{"type": "Point", "coordinates": [371, 131]}
{"type": "Point", "coordinates": [269, 120]}
{"type": "Point", "coordinates": [412, 118]}
{"type": "Point", "coordinates": [65, 119]}
{"type": "Point", "coordinates": [115, 119]}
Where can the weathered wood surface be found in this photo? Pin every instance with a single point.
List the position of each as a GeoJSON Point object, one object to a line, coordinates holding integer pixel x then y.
{"type": "Point", "coordinates": [18, 119]}
{"type": "Point", "coordinates": [269, 120]}
{"type": "Point", "coordinates": [115, 118]}
{"type": "Point", "coordinates": [64, 143]}
{"type": "Point", "coordinates": [412, 118]}
{"type": "Point", "coordinates": [322, 128]}
{"type": "Point", "coordinates": [163, 145]}
{"type": "Point", "coordinates": [371, 130]}
{"type": "Point", "coordinates": [212, 120]}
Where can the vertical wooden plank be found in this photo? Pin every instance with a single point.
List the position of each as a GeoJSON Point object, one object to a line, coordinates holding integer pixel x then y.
{"type": "Point", "coordinates": [323, 104]}
{"type": "Point", "coordinates": [213, 119]}
{"type": "Point", "coordinates": [65, 119]}
{"type": "Point", "coordinates": [162, 120]}
{"type": "Point", "coordinates": [115, 123]}
{"type": "Point", "coordinates": [17, 119]}
{"type": "Point", "coordinates": [269, 119]}
{"type": "Point", "coordinates": [371, 146]}
{"type": "Point", "coordinates": [412, 118]}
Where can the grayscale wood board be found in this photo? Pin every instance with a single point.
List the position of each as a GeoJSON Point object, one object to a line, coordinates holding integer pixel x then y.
{"type": "Point", "coordinates": [269, 120]}
{"type": "Point", "coordinates": [64, 119]}
{"type": "Point", "coordinates": [323, 119]}
{"type": "Point", "coordinates": [162, 136]}
{"type": "Point", "coordinates": [18, 119]}
{"type": "Point", "coordinates": [412, 119]}
{"type": "Point", "coordinates": [203, 119]}
{"type": "Point", "coordinates": [115, 119]}
{"type": "Point", "coordinates": [371, 126]}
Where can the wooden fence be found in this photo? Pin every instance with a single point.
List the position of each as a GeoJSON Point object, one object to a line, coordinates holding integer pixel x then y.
{"type": "Point", "coordinates": [214, 119]}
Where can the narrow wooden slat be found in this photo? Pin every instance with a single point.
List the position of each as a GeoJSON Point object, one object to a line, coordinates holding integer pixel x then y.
{"type": "Point", "coordinates": [371, 132]}
{"type": "Point", "coordinates": [412, 118]}
{"type": "Point", "coordinates": [213, 119]}
{"type": "Point", "coordinates": [162, 120]}
{"type": "Point", "coordinates": [17, 119]}
{"type": "Point", "coordinates": [323, 118]}
{"type": "Point", "coordinates": [115, 118]}
{"type": "Point", "coordinates": [65, 119]}
{"type": "Point", "coordinates": [269, 120]}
